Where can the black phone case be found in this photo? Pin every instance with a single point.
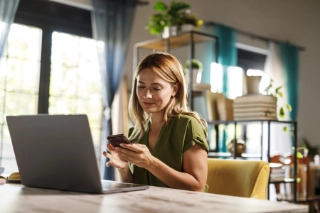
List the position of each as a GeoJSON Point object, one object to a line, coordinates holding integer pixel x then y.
{"type": "Point", "coordinates": [116, 140]}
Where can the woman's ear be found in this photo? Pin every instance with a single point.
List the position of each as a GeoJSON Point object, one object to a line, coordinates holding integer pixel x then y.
{"type": "Point", "coordinates": [175, 88]}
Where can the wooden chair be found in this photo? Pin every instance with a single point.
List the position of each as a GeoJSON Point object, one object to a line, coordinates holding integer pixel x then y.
{"type": "Point", "coordinates": [284, 188]}
{"type": "Point", "coordinates": [242, 178]}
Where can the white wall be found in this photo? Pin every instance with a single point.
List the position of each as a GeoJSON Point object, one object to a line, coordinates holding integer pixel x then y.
{"type": "Point", "coordinates": [295, 21]}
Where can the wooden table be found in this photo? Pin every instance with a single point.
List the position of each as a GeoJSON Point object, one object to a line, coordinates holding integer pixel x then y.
{"type": "Point", "coordinates": [18, 198]}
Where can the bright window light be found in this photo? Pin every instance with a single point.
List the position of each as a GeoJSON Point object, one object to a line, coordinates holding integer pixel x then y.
{"type": "Point", "coordinates": [235, 82]}
{"type": "Point", "coordinates": [216, 77]}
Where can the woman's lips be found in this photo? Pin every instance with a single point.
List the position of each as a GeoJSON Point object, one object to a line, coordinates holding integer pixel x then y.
{"type": "Point", "coordinates": [147, 104]}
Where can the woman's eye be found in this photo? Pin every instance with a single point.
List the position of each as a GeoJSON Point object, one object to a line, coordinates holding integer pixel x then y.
{"type": "Point", "coordinates": [141, 87]}
{"type": "Point", "coordinates": [156, 89]}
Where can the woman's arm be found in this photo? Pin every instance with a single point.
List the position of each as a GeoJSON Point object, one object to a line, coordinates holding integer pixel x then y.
{"type": "Point", "coordinates": [126, 175]}
{"type": "Point", "coordinates": [195, 169]}
{"type": "Point", "coordinates": [194, 165]}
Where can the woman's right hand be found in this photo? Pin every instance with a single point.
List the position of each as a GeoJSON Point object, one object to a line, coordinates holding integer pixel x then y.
{"type": "Point", "coordinates": [114, 159]}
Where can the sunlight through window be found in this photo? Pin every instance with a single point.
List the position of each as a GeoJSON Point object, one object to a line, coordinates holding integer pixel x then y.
{"type": "Point", "coordinates": [19, 84]}
{"type": "Point", "coordinates": [75, 86]}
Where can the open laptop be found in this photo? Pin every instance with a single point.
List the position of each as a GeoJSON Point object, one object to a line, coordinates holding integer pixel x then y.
{"type": "Point", "coordinates": [57, 152]}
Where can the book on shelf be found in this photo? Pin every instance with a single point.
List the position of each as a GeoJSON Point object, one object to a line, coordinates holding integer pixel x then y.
{"type": "Point", "coordinates": [254, 110]}
{"type": "Point", "coordinates": [255, 105]}
{"type": "Point", "coordinates": [200, 87]}
{"type": "Point", "coordinates": [277, 171]}
{"type": "Point", "coordinates": [277, 174]}
{"type": "Point", "coordinates": [225, 114]}
{"type": "Point", "coordinates": [253, 113]}
{"type": "Point", "coordinates": [224, 103]}
{"type": "Point", "coordinates": [225, 108]}
{"type": "Point", "coordinates": [211, 104]}
{"type": "Point", "coordinates": [251, 98]}
{"type": "Point", "coordinates": [247, 118]}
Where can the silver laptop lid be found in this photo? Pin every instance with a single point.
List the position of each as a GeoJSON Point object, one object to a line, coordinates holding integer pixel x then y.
{"type": "Point", "coordinates": [55, 151]}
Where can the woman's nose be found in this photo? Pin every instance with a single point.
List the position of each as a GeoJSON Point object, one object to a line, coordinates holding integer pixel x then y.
{"type": "Point", "coordinates": [148, 94]}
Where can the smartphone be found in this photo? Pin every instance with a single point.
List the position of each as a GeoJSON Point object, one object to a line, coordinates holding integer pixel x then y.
{"type": "Point", "coordinates": [116, 140]}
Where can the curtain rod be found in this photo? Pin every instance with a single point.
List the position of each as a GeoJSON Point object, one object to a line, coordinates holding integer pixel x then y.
{"type": "Point", "coordinates": [209, 23]}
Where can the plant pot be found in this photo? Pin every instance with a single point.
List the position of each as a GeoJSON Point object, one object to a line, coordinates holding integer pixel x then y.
{"type": "Point", "coordinates": [169, 31]}
{"type": "Point", "coordinates": [196, 75]}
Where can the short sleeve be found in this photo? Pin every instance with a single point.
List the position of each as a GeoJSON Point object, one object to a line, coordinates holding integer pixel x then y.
{"type": "Point", "coordinates": [195, 134]}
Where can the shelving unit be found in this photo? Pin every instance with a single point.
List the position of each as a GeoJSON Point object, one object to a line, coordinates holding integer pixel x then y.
{"type": "Point", "coordinates": [187, 39]}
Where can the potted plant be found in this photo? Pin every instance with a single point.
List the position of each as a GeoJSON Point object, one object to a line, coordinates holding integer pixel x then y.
{"type": "Point", "coordinates": [174, 15]}
{"type": "Point", "coordinates": [196, 66]}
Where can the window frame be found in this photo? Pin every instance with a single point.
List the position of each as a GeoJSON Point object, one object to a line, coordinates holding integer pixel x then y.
{"type": "Point", "coordinates": [49, 17]}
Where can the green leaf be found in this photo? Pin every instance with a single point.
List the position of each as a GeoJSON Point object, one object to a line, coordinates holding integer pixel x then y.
{"type": "Point", "coordinates": [280, 94]}
{"type": "Point", "coordinates": [285, 129]}
{"type": "Point", "coordinates": [288, 106]}
{"type": "Point", "coordinates": [160, 6]}
{"type": "Point", "coordinates": [281, 112]}
{"type": "Point", "coordinates": [177, 7]}
{"type": "Point", "coordinates": [278, 88]}
{"type": "Point", "coordinates": [268, 88]}
{"type": "Point", "coordinates": [299, 155]}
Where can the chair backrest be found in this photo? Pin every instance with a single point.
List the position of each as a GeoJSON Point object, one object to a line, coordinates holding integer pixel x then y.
{"type": "Point", "coordinates": [242, 178]}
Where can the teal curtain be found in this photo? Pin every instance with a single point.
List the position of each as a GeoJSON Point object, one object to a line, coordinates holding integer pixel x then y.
{"type": "Point", "coordinates": [8, 10]}
{"type": "Point", "coordinates": [207, 56]}
{"type": "Point", "coordinates": [227, 51]}
{"type": "Point", "coordinates": [227, 57]}
{"type": "Point", "coordinates": [111, 23]}
{"type": "Point", "coordinates": [290, 60]}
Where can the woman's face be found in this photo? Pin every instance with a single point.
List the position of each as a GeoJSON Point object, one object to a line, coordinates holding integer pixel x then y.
{"type": "Point", "coordinates": [154, 93]}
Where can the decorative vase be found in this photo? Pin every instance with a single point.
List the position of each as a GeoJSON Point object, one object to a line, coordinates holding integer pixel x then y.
{"type": "Point", "coordinates": [253, 83]}
{"type": "Point", "coordinates": [169, 31]}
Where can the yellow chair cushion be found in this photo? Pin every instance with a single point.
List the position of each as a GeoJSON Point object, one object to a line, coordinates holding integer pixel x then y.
{"type": "Point", "coordinates": [242, 178]}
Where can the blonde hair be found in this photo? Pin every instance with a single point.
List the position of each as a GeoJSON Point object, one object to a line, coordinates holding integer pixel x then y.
{"type": "Point", "coordinates": [168, 68]}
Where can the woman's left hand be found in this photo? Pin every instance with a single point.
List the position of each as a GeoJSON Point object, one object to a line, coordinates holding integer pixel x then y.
{"type": "Point", "coordinates": [138, 154]}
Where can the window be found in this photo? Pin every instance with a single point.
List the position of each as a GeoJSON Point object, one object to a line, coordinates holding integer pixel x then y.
{"type": "Point", "coordinates": [19, 77]}
{"type": "Point", "coordinates": [75, 80]}
{"type": "Point", "coordinates": [50, 66]}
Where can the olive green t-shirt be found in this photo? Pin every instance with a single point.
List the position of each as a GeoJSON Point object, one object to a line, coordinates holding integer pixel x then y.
{"type": "Point", "coordinates": [178, 135]}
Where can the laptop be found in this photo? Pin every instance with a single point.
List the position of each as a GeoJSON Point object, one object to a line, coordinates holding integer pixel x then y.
{"type": "Point", "coordinates": [57, 152]}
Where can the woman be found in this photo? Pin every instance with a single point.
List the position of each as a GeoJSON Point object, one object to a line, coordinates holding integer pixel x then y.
{"type": "Point", "coordinates": [169, 141]}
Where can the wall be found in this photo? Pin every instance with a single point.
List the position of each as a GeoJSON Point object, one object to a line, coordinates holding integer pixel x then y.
{"type": "Point", "coordinates": [296, 21]}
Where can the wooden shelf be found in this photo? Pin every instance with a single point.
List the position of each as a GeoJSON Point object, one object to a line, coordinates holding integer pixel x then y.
{"type": "Point", "coordinates": [180, 40]}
